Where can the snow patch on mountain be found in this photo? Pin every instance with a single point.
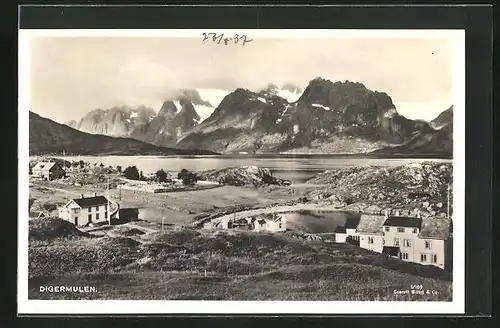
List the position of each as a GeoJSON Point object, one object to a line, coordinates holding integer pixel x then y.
{"type": "Point", "coordinates": [262, 100]}
{"type": "Point", "coordinates": [390, 113]}
{"type": "Point", "coordinates": [288, 95]}
{"type": "Point", "coordinates": [177, 104]}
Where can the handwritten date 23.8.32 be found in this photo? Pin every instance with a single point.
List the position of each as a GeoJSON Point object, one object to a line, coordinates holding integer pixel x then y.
{"type": "Point", "coordinates": [219, 38]}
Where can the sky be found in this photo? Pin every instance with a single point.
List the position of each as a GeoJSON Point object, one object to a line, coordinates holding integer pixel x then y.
{"type": "Point", "coordinates": [70, 76]}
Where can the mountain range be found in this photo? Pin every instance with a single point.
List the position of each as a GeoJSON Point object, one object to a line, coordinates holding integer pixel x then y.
{"type": "Point", "coordinates": [325, 117]}
{"type": "Point", "coordinates": [49, 137]}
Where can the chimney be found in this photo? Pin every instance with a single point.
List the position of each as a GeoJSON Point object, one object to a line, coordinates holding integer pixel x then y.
{"type": "Point", "coordinates": [95, 194]}
{"type": "Point", "coordinates": [397, 212]}
{"type": "Point", "coordinates": [83, 196]}
{"type": "Point", "coordinates": [386, 213]}
{"type": "Point", "coordinates": [418, 215]}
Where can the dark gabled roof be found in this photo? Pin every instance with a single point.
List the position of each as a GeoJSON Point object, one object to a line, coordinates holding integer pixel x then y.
{"type": "Point", "coordinates": [340, 229]}
{"type": "Point", "coordinates": [390, 250]}
{"type": "Point", "coordinates": [403, 221]}
{"type": "Point", "coordinates": [91, 201]}
{"type": "Point", "coordinates": [351, 223]}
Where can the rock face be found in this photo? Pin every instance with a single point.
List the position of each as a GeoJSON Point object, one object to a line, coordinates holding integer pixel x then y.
{"type": "Point", "coordinates": [242, 176]}
{"type": "Point", "coordinates": [340, 117]}
{"type": "Point", "coordinates": [116, 121]}
{"type": "Point", "coordinates": [49, 137]}
{"type": "Point", "coordinates": [176, 116]}
{"type": "Point", "coordinates": [418, 188]}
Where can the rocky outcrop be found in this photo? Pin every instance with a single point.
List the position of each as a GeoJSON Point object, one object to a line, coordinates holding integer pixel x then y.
{"type": "Point", "coordinates": [242, 176]}
{"type": "Point", "coordinates": [419, 188]}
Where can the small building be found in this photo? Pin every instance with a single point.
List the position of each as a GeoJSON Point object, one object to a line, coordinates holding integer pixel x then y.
{"type": "Point", "coordinates": [86, 210]}
{"type": "Point", "coordinates": [348, 229]}
{"type": "Point", "coordinates": [48, 171]}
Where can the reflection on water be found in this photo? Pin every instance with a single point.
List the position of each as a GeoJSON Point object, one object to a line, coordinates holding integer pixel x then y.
{"type": "Point", "coordinates": [316, 221]}
{"type": "Point", "coordinates": [294, 168]}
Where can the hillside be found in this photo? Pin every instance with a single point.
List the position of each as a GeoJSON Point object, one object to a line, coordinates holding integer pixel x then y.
{"type": "Point", "coordinates": [49, 137]}
{"type": "Point", "coordinates": [197, 265]}
{"type": "Point", "coordinates": [340, 117]}
{"type": "Point", "coordinates": [438, 142]}
{"type": "Point", "coordinates": [445, 118]}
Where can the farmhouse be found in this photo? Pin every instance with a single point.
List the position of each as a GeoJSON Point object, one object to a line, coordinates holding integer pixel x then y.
{"type": "Point", "coordinates": [48, 171]}
{"type": "Point", "coordinates": [88, 210]}
{"type": "Point", "coordinates": [397, 236]}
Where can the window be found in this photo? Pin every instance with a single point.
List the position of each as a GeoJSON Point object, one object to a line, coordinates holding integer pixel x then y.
{"type": "Point", "coordinates": [428, 244]}
{"type": "Point", "coordinates": [434, 258]}
{"type": "Point", "coordinates": [370, 240]}
{"type": "Point", "coordinates": [403, 256]}
{"type": "Point", "coordinates": [105, 215]}
{"type": "Point", "coordinates": [76, 220]}
{"type": "Point", "coordinates": [401, 229]}
{"type": "Point", "coordinates": [383, 241]}
{"type": "Point", "coordinates": [97, 216]}
{"type": "Point", "coordinates": [396, 241]}
{"type": "Point", "coordinates": [423, 257]}
{"type": "Point", "coordinates": [90, 217]}
{"type": "Point", "coordinates": [75, 210]}
{"type": "Point", "coordinates": [387, 228]}
{"type": "Point", "coordinates": [97, 208]}
{"type": "Point", "coordinates": [90, 209]}
{"type": "Point", "coordinates": [407, 242]}
{"type": "Point", "coordinates": [415, 230]}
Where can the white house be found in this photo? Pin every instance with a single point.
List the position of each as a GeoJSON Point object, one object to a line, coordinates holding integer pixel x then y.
{"type": "Point", "coordinates": [85, 210]}
{"type": "Point", "coordinates": [272, 223]}
{"type": "Point", "coordinates": [397, 236]}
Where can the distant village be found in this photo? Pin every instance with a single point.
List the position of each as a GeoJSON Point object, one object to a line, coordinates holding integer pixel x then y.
{"type": "Point", "coordinates": [391, 234]}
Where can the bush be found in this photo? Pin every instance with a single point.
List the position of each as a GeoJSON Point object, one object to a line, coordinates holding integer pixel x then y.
{"type": "Point", "coordinates": [188, 178]}
{"type": "Point", "coordinates": [131, 173]}
{"type": "Point", "coordinates": [161, 176]}
{"type": "Point", "coordinates": [119, 168]}
{"type": "Point", "coordinates": [182, 174]}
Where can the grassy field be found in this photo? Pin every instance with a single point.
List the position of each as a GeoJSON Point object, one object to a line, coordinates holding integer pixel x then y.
{"type": "Point", "coordinates": [140, 264]}
{"type": "Point", "coordinates": [177, 208]}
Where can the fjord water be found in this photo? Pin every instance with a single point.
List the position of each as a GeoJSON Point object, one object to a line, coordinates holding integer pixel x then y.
{"type": "Point", "coordinates": [296, 168]}
{"type": "Point", "coordinates": [316, 221]}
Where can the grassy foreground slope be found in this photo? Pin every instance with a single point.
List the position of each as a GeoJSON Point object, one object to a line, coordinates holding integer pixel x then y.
{"type": "Point", "coordinates": [239, 266]}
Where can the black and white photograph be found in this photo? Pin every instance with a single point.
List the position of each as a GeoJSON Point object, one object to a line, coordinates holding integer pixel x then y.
{"type": "Point", "coordinates": [245, 170]}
